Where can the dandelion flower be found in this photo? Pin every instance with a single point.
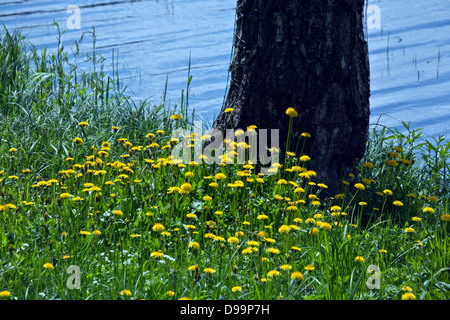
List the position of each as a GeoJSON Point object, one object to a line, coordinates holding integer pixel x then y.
{"type": "Point", "coordinates": [445, 217]}
{"type": "Point", "coordinates": [209, 270]}
{"type": "Point", "coordinates": [193, 267]}
{"type": "Point", "coordinates": [410, 230]}
{"type": "Point", "coordinates": [176, 117]}
{"type": "Point", "coordinates": [194, 245]}
{"type": "Point", "coordinates": [309, 267]}
{"type": "Point", "coordinates": [78, 141]}
{"type": "Point", "coordinates": [326, 226]}
{"type": "Point", "coordinates": [360, 186]}
{"type": "Point", "coordinates": [306, 135]}
{"type": "Point", "coordinates": [5, 294]}
{"type": "Point", "coordinates": [157, 254]}
{"type": "Point", "coordinates": [273, 250]}
{"type": "Point", "coordinates": [273, 273]}
{"type": "Point", "coordinates": [359, 259]}
{"type": "Point", "coordinates": [284, 229]}
{"type": "Point", "coordinates": [220, 176]}
{"type": "Point", "coordinates": [158, 227]}
{"type": "Point", "coordinates": [186, 187]}
{"type": "Point", "coordinates": [233, 240]}
{"type": "Point", "coordinates": [368, 165]}
{"type": "Point", "coordinates": [83, 124]}
{"type": "Point", "coordinates": [387, 192]}
{"type": "Point", "coordinates": [305, 158]}
{"type": "Point", "coordinates": [117, 212]}
{"type": "Point", "coordinates": [236, 289]}
{"type": "Point", "coordinates": [285, 267]}
{"type": "Point", "coordinates": [362, 203]}
{"type": "Point", "coordinates": [397, 203]}
{"type": "Point", "coordinates": [49, 266]}
{"type": "Point", "coordinates": [228, 110]}
{"type": "Point", "coordinates": [125, 292]}
{"type": "Point", "coordinates": [335, 209]}
{"type": "Point", "coordinates": [170, 293]}
{"type": "Point", "coordinates": [291, 112]}
{"type": "Point", "coordinates": [247, 250]}
{"type": "Point", "coordinates": [428, 210]}
{"type": "Point", "coordinates": [408, 296]}
{"type": "Point", "coordinates": [298, 276]}
{"type": "Point", "coordinates": [408, 289]}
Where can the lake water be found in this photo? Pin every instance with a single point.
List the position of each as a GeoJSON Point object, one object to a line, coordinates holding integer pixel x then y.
{"type": "Point", "coordinates": [151, 39]}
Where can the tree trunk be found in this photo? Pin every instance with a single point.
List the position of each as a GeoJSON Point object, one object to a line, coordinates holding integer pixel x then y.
{"type": "Point", "coordinates": [309, 55]}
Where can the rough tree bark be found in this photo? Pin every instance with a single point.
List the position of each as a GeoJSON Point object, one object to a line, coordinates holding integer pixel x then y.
{"type": "Point", "coordinates": [310, 55]}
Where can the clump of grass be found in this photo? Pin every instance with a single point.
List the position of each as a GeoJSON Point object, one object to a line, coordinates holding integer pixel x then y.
{"type": "Point", "coordinates": [87, 178]}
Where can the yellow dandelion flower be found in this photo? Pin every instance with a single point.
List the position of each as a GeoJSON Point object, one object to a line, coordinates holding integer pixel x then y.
{"type": "Point", "coordinates": [284, 229]}
{"type": "Point", "coordinates": [186, 187]}
{"type": "Point", "coordinates": [78, 140]}
{"type": "Point", "coordinates": [5, 294]}
{"type": "Point", "coordinates": [292, 113]}
{"type": "Point", "coordinates": [117, 212]}
{"type": "Point", "coordinates": [194, 245]}
{"type": "Point", "coordinates": [157, 254]}
{"type": "Point", "coordinates": [158, 227]}
{"type": "Point", "coordinates": [360, 186]}
{"type": "Point", "coordinates": [305, 158]}
{"type": "Point", "coordinates": [310, 267]}
{"type": "Point", "coordinates": [176, 117]}
{"type": "Point", "coordinates": [49, 266]}
{"type": "Point", "coordinates": [273, 250]}
{"type": "Point", "coordinates": [236, 289]}
{"type": "Point", "coordinates": [298, 276]}
{"type": "Point", "coordinates": [273, 273]}
{"type": "Point", "coordinates": [398, 203]}
{"type": "Point", "coordinates": [209, 270]}
{"type": "Point", "coordinates": [428, 210]}
{"type": "Point", "coordinates": [408, 296]}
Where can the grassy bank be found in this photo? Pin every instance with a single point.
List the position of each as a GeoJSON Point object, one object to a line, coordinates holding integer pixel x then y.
{"type": "Point", "coordinates": [87, 179]}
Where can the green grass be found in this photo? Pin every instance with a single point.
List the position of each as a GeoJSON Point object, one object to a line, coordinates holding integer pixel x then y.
{"type": "Point", "coordinates": [44, 102]}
